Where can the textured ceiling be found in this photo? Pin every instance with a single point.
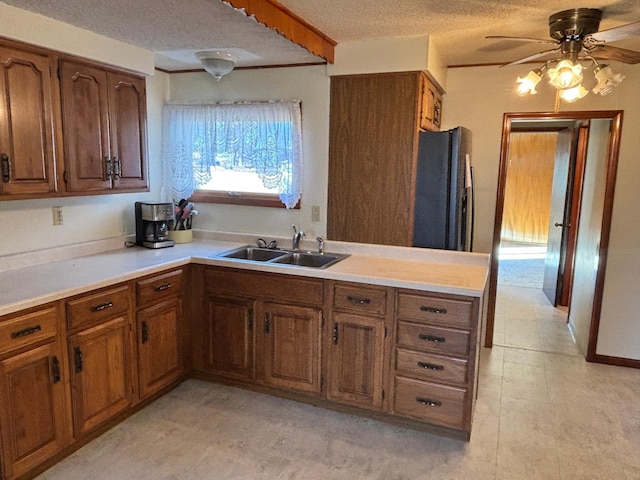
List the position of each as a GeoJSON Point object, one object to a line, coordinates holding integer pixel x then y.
{"type": "Point", "coordinates": [174, 30]}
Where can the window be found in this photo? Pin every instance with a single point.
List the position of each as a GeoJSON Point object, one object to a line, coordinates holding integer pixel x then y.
{"type": "Point", "coordinates": [244, 153]}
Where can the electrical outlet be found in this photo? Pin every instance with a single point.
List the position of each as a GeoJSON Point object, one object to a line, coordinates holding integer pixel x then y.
{"type": "Point", "coordinates": [315, 213]}
{"type": "Point", "coordinates": [57, 215]}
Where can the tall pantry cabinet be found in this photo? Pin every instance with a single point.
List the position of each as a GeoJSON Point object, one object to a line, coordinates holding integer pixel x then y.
{"type": "Point", "coordinates": [373, 148]}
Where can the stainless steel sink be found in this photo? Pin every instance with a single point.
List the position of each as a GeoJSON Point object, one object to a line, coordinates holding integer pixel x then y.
{"type": "Point", "coordinates": [310, 259]}
{"type": "Point", "coordinates": [255, 254]}
{"type": "Point", "coordinates": [284, 257]}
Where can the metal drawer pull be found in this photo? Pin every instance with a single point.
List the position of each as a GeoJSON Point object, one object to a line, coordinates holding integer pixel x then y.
{"type": "Point", "coordinates": [427, 309]}
{"type": "Point", "coordinates": [431, 338]}
{"type": "Point", "coordinates": [361, 301]}
{"type": "Point", "coordinates": [428, 402]}
{"type": "Point", "coordinates": [26, 331]}
{"type": "Point", "coordinates": [162, 287]}
{"type": "Point", "coordinates": [102, 306]}
{"type": "Point", "coordinates": [430, 366]}
{"type": "Point", "coordinates": [55, 369]}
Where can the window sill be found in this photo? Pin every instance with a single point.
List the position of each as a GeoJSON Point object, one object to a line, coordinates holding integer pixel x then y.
{"type": "Point", "coordinates": [235, 198]}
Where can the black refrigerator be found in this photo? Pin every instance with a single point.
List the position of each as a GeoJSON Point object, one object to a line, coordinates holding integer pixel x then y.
{"type": "Point", "coordinates": [443, 212]}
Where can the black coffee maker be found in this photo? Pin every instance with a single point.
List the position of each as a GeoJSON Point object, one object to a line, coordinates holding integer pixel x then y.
{"type": "Point", "coordinates": [152, 224]}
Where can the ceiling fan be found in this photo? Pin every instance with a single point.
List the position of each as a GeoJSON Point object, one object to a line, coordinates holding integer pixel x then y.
{"type": "Point", "coordinates": [577, 41]}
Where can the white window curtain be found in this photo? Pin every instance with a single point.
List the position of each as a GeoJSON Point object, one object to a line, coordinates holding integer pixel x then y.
{"type": "Point", "coordinates": [267, 136]}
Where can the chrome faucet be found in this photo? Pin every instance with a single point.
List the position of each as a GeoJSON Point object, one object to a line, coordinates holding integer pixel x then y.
{"type": "Point", "coordinates": [297, 236]}
{"type": "Point", "coordinates": [320, 245]}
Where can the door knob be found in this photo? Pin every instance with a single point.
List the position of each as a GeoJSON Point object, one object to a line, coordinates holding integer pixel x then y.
{"type": "Point", "coordinates": [566, 225]}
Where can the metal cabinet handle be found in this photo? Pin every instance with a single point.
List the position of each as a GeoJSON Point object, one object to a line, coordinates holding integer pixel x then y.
{"type": "Point", "coordinates": [267, 326]}
{"type": "Point", "coordinates": [102, 306]}
{"type": "Point", "coordinates": [6, 168]}
{"type": "Point", "coordinates": [108, 167]}
{"type": "Point", "coordinates": [145, 332]}
{"type": "Point", "coordinates": [164, 286]}
{"type": "Point", "coordinates": [431, 338]}
{"type": "Point", "coordinates": [250, 320]}
{"type": "Point", "coordinates": [430, 366]}
{"type": "Point", "coordinates": [117, 168]}
{"type": "Point", "coordinates": [55, 369]}
{"type": "Point", "coordinates": [563, 225]}
{"type": "Point", "coordinates": [359, 300]}
{"type": "Point", "coordinates": [336, 333]}
{"type": "Point", "coordinates": [26, 331]}
{"type": "Point", "coordinates": [77, 359]}
{"type": "Point", "coordinates": [428, 402]}
{"type": "Point", "coordinates": [428, 309]}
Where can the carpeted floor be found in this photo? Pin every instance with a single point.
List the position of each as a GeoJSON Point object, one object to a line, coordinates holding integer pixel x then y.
{"type": "Point", "coordinates": [521, 272]}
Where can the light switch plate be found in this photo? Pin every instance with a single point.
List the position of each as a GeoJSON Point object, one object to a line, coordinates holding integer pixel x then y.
{"type": "Point", "coordinates": [315, 213]}
{"type": "Point", "coordinates": [57, 216]}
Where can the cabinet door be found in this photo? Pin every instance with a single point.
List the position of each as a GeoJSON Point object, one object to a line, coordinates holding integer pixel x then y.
{"type": "Point", "coordinates": [356, 359]}
{"type": "Point", "coordinates": [26, 127]}
{"type": "Point", "coordinates": [159, 346]}
{"type": "Point", "coordinates": [128, 131]}
{"type": "Point", "coordinates": [33, 412]}
{"type": "Point", "coordinates": [292, 347]}
{"type": "Point", "coordinates": [100, 378]}
{"type": "Point", "coordinates": [230, 338]}
{"type": "Point", "coordinates": [85, 126]}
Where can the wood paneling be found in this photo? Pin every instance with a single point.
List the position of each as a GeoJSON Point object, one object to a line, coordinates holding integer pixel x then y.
{"type": "Point", "coordinates": [528, 187]}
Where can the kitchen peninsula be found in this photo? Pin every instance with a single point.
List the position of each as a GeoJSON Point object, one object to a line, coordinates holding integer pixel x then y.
{"type": "Point", "coordinates": [388, 332]}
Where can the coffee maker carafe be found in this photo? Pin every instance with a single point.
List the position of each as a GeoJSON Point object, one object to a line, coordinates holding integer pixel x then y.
{"type": "Point", "coordinates": [152, 224]}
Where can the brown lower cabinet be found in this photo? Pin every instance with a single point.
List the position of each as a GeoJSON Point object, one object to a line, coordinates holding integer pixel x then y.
{"type": "Point", "coordinates": [34, 407]}
{"type": "Point", "coordinates": [403, 356]}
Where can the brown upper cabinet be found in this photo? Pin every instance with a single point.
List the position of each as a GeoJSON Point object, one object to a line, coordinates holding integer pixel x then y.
{"type": "Point", "coordinates": [69, 126]}
{"type": "Point", "coordinates": [373, 147]}
{"type": "Point", "coordinates": [26, 122]}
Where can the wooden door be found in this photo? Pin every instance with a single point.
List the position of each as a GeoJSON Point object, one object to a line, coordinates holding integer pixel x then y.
{"type": "Point", "coordinates": [128, 131]}
{"type": "Point", "coordinates": [84, 91]}
{"type": "Point", "coordinates": [230, 342]}
{"type": "Point", "coordinates": [34, 409]}
{"type": "Point", "coordinates": [100, 379]}
{"type": "Point", "coordinates": [356, 360]}
{"type": "Point", "coordinates": [558, 217]}
{"type": "Point", "coordinates": [292, 347]}
{"type": "Point", "coordinates": [26, 123]}
{"type": "Point", "coordinates": [159, 346]}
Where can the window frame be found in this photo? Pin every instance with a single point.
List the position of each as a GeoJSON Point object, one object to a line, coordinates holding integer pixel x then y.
{"type": "Point", "coordinates": [271, 200]}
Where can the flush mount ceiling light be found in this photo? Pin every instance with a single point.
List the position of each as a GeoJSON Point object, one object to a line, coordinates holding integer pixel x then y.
{"type": "Point", "coordinates": [578, 45]}
{"type": "Point", "coordinates": [217, 63]}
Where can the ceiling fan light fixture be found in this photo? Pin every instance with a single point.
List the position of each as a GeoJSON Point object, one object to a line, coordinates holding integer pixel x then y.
{"type": "Point", "coordinates": [217, 63]}
{"type": "Point", "coordinates": [527, 85]}
{"type": "Point", "coordinates": [606, 80]}
{"type": "Point", "coordinates": [565, 75]}
{"type": "Point", "coordinates": [574, 94]}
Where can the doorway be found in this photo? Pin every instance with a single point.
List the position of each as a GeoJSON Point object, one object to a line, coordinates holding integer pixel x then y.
{"type": "Point", "coordinates": [590, 198]}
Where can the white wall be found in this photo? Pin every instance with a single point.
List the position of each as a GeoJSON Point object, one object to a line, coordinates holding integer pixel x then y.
{"type": "Point", "coordinates": [477, 97]}
{"type": "Point", "coordinates": [310, 85]}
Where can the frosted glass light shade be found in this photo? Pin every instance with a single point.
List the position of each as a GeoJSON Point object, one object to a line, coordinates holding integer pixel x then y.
{"type": "Point", "coordinates": [217, 63]}
{"type": "Point", "coordinates": [527, 85]}
{"type": "Point", "coordinates": [565, 75]}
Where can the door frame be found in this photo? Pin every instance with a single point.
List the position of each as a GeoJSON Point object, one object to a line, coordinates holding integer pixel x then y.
{"type": "Point", "coordinates": [612, 165]}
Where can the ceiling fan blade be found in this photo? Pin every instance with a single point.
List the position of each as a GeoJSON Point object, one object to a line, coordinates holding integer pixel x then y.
{"type": "Point", "coordinates": [531, 57]}
{"type": "Point", "coordinates": [519, 39]}
{"type": "Point", "coordinates": [608, 52]}
{"type": "Point", "coordinates": [616, 33]}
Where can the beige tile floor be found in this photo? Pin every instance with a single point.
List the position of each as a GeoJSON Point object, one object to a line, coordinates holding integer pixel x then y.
{"type": "Point", "coordinates": [540, 414]}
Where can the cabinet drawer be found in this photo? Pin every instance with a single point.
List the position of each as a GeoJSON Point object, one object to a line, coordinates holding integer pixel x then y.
{"type": "Point", "coordinates": [433, 339]}
{"type": "Point", "coordinates": [92, 308]}
{"type": "Point", "coordinates": [159, 287]}
{"type": "Point", "coordinates": [456, 313]}
{"type": "Point", "coordinates": [425, 366]}
{"type": "Point", "coordinates": [360, 299]}
{"type": "Point", "coordinates": [438, 404]}
{"type": "Point", "coordinates": [28, 329]}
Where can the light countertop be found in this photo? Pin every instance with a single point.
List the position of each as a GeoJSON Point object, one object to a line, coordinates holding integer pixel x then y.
{"type": "Point", "coordinates": [23, 285]}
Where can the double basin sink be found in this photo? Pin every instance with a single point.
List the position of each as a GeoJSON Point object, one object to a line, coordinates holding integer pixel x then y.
{"type": "Point", "coordinates": [284, 257]}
